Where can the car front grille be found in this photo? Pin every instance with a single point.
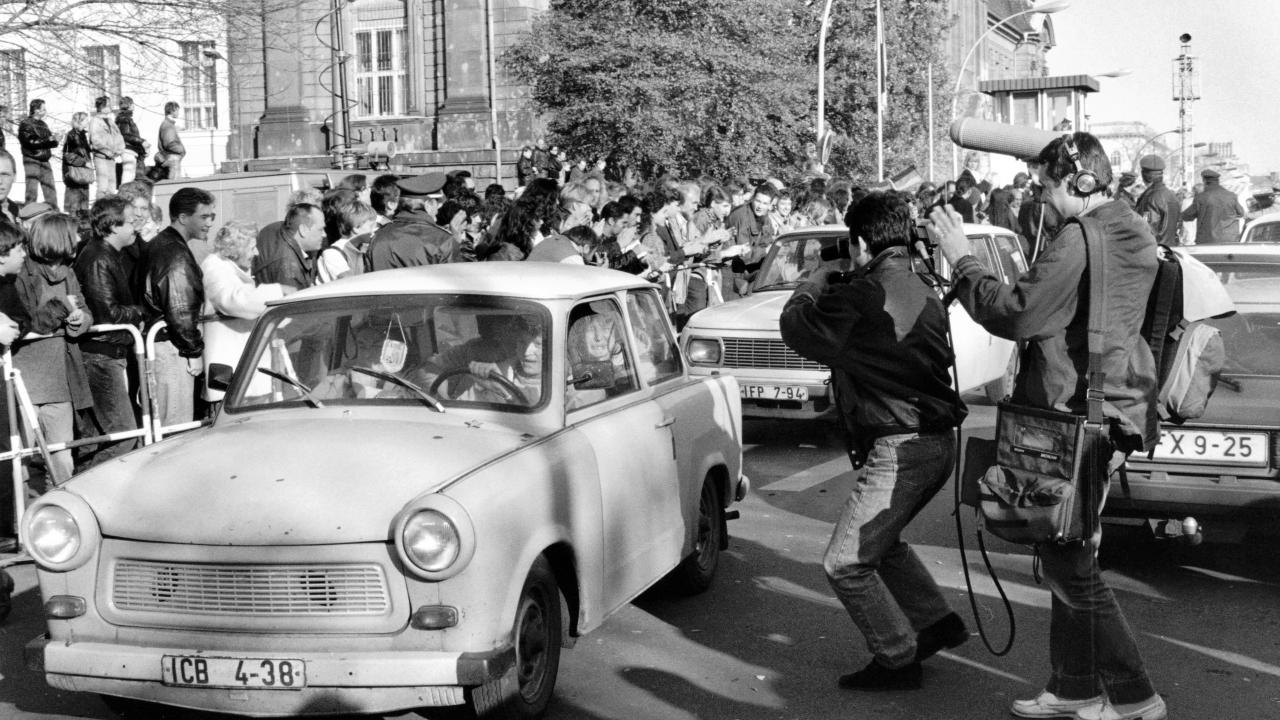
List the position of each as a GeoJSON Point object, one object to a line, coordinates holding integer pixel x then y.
{"type": "Point", "coordinates": [253, 591]}
{"type": "Point", "coordinates": [765, 353]}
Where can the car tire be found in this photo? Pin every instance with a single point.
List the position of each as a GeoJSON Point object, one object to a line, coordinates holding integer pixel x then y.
{"type": "Point", "coordinates": [1002, 387]}
{"type": "Point", "coordinates": [695, 574]}
{"type": "Point", "coordinates": [524, 691]}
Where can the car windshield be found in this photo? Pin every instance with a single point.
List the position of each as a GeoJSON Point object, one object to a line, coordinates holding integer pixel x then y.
{"type": "Point", "coordinates": [1252, 335]}
{"type": "Point", "coordinates": [459, 350]}
{"type": "Point", "coordinates": [792, 259]}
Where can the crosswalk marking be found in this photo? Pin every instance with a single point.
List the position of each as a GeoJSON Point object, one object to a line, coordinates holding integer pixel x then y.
{"type": "Point", "coordinates": [807, 478]}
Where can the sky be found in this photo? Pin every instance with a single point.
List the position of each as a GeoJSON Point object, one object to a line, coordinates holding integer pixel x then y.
{"type": "Point", "coordinates": [1235, 44]}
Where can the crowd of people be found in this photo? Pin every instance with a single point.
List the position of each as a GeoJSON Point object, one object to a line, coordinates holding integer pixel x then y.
{"type": "Point", "coordinates": [103, 149]}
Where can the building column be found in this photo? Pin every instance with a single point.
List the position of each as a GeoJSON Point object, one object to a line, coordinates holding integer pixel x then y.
{"type": "Point", "coordinates": [463, 118]}
{"type": "Point", "coordinates": [285, 128]}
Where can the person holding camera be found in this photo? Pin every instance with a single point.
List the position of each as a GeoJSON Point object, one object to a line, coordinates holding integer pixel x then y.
{"type": "Point", "coordinates": [1096, 670]}
{"type": "Point", "coordinates": [883, 332]}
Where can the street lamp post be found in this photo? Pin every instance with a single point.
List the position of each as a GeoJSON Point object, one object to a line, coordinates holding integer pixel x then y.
{"type": "Point", "coordinates": [822, 66]}
{"type": "Point", "coordinates": [1137, 156]}
{"type": "Point", "coordinates": [1046, 8]}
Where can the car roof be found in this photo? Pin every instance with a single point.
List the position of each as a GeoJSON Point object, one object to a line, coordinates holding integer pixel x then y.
{"type": "Point", "coordinates": [537, 280]}
{"type": "Point", "coordinates": [833, 229]}
{"type": "Point", "coordinates": [1268, 252]}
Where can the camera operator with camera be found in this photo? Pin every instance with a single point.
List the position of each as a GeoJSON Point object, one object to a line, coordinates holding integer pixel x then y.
{"type": "Point", "coordinates": [883, 332]}
{"type": "Point", "coordinates": [1096, 670]}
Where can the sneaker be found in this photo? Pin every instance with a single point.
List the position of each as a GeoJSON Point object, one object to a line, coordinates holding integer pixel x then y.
{"type": "Point", "coordinates": [949, 632]}
{"type": "Point", "coordinates": [1152, 708]}
{"type": "Point", "coordinates": [1048, 705]}
{"type": "Point", "coordinates": [878, 677]}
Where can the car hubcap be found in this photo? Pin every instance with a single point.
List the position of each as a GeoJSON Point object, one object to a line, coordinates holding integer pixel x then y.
{"type": "Point", "coordinates": [706, 531]}
{"type": "Point", "coordinates": [531, 648]}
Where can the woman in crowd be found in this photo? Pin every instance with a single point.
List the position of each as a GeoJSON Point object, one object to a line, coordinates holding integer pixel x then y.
{"type": "Point", "coordinates": [231, 299]}
{"type": "Point", "coordinates": [77, 166]}
{"type": "Point", "coordinates": [574, 211]}
{"type": "Point", "coordinates": [1000, 210]}
{"type": "Point", "coordinates": [53, 369]}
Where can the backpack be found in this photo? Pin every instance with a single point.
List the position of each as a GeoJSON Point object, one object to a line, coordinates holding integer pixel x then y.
{"type": "Point", "coordinates": [1189, 353]}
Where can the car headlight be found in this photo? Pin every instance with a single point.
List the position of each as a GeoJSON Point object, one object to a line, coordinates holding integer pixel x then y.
{"type": "Point", "coordinates": [704, 351]}
{"type": "Point", "coordinates": [60, 531]}
{"type": "Point", "coordinates": [431, 541]}
{"type": "Point", "coordinates": [53, 535]}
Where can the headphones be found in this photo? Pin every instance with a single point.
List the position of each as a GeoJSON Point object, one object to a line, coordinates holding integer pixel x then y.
{"type": "Point", "coordinates": [1081, 182]}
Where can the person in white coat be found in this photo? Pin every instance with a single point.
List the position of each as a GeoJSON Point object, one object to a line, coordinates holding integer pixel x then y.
{"type": "Point", "coordinates": [231, 299]}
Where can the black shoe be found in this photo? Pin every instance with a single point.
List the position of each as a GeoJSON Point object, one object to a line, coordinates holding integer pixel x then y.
{"type": "Point", "coordinates": [878, 677]}
{"type": "Point", "coordinates": [949, 632]}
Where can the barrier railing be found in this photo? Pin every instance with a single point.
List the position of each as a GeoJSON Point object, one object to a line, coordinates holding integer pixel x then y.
{"type": "Point", "coordinates": [151, 428]}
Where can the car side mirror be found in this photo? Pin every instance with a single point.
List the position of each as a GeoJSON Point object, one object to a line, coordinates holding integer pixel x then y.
{"type": "Point", "coordinates": [592, 376]}
{"type": "Point", "coordinates": [220, 376]}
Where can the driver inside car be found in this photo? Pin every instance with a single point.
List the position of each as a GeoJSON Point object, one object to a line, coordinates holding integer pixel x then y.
{"type": "Point", "coordinates": [471, 373]}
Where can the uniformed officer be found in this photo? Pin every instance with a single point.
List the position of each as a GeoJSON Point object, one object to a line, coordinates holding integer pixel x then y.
{"type": "Point", "coordinates": [413, 238]}
{"type": "Point", "coordinates": [1159, 205]}
{"type": "Point", "coordinates": [1216, 210]}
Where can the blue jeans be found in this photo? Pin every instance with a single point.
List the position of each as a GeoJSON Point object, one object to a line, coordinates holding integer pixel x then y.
{"type": "Point", "coordinates": [109, 384]}
{"type": "Point", "coordinates": [887, 590]}
{"type": "Point", "coordinates": [1091, 647]}
{"type": "Point", "coordinates": [38, 175]}
{"type": "Point", "coordinates": [175, 388]}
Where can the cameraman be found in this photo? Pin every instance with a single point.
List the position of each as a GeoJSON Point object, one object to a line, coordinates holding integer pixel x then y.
{"type": "Point", "coordinates": [883, 333]}
{"type": "Point", "coordinates": [1096, 670]}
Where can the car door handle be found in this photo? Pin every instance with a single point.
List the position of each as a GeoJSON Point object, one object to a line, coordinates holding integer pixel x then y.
{"type": "Point", "coordinates": [665, 422]}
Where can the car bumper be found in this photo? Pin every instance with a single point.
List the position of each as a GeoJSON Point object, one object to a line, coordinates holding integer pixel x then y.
{"type": "Point", "coordinates": [1200, 492]}
{"type": "Point", "coordinates": [817, 405]}
{"type": "Point", "coordinates": [340, 682]}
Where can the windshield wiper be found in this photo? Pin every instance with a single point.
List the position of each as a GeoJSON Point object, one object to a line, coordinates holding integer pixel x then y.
{"type": "Point", "coordinates": [1227, 379]}
{"type": "Point", "coordinates": [426, 396]}
{"type": "Point", "coordinates": [306, 391]}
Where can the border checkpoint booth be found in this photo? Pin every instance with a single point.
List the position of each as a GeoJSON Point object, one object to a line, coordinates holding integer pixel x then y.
{"type": "Point", "coordinates": [1054, 103]}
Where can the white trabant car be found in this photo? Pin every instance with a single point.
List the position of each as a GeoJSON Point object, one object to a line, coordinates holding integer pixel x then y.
{"type": "Point", "coordinates": [741, 337]}
{"type": "Point", "coordinates": [423, 483]}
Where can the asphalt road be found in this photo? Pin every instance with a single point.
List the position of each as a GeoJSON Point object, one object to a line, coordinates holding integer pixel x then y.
{"type": "Point", "coordinates": [769, 639]}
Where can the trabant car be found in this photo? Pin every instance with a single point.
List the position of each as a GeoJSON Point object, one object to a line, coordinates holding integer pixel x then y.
{"type": "Point", "coordinates": [1223, 468]}
{"type": "Point", "coordinates": [741, 337]}
{"type": "Point", "coordinates": [422, 484]}
{"type": "Point", "coordinates": [1265, 229]}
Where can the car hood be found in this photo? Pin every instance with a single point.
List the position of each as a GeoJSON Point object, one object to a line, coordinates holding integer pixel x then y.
{"type": "Point", "coordinates": [1254, 404]}
{"type": "Point", "coordinates": [758, 311]}
{"type": "Point", "coordinates": [304, 482]}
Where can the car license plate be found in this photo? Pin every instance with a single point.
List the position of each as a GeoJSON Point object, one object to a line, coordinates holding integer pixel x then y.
{"type": "Point", "coordinates": [774, 392]}
{"type": "Point", "coordinates": [234, 672]}
{"type": "Point", "coordinates": [1204, 446]}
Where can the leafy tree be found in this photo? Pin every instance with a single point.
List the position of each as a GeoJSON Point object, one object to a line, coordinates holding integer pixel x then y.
{"type": "Point", "coordinates": [914, 33]}
{"type": "Point", "coordinates": [727, 87]}
{"type": "Point", "coordinates": [691, 86]}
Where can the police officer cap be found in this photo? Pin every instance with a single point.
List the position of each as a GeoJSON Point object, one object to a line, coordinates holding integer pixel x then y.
{"type": "Point", "coordinates": [1210, 174]}
{"type": "Point", "coordinates": [31, 210]}
{"type": "Point", "coordinates": [422, 185]}
{"type": "Point", "coordinates": [1151, 162]}
{"type": "Point", "coordinates": [1126, 175]}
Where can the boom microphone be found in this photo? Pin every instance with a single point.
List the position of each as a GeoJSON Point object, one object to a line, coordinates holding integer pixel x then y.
{"type": "Point", "coordinates": [1020, 141]}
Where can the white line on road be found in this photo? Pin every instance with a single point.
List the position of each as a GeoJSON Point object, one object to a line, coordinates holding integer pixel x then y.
{"type": "Point", "coordinates": [1243, 661]}
{"type": "Point", "coordinates": [816, 475]}
{"type": "Point", "coordinates": [984, 668]}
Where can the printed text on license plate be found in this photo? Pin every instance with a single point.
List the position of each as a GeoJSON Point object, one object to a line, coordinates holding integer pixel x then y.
{"type": "Point", "coordinates": [775, 392]}
{"type": "Point", "coordinates": [1215, 447]}
{"type": "Point", "coordinates": [230, 672]}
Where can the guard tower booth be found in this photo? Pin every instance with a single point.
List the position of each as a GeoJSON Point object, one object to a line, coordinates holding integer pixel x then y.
{"type": "Point", "coordinates": [1054, 103]}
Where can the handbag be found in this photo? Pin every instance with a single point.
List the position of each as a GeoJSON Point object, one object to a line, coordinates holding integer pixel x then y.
{"type": "Point", "coordinates": [79, 174]}
{"type": "Point", "coordinates": [1043, 477]}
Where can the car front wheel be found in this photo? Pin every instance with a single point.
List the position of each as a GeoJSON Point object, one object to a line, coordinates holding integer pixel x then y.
{"type": "Point", "coordinates": [695, 574]}
{"type": "Point", "coordinates": [523, 692]}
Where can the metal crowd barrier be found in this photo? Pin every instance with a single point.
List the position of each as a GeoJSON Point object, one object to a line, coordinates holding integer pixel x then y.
{"type": "Point", "coordinates": [18, 401]}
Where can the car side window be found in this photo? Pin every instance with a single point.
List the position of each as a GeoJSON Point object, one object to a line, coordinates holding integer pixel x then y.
{"type": "Point", "coordinates": [1012, 261]}
{"type": "Point", "coordinates": [658, 359]}
{"type": "Point", "coordinates": [599, 356]}
{"type": "Point", "coordinates": [982, 251]}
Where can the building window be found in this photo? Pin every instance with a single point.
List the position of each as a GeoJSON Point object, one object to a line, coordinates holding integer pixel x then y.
{"type": "Point", "coordinates": [380, 65]}
{"type": "Point", "coordinates": [199, 85]}
{"type": "Point", "coordinates": [13, 80]}
{"type": "Point", "coordinates": [104, 71]}
{"type": "Point", "coordinates": [1115, 159]}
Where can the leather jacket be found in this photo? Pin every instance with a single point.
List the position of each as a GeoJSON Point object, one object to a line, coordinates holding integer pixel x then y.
{"type": "Point", "coordinates": [411, 239]}
{"type": "Point", "coordinates": [129, 131]}
{"type": "Point", "coordinates": [36, 139]}
{"type": "Point", "coordinates": [884, 336]}
{"type": "Point", "coordinates": [107, 291]}
{"type": "Point", "coordinates": [174, 291]}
